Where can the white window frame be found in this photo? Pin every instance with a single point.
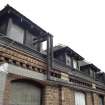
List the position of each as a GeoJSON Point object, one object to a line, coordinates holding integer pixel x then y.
{"type": "Point", "coordinates": [68, 60]}
{"type": "Point", "coordinates": [75, 64]}
{"type": "Point", "coordinates": [80, 98]}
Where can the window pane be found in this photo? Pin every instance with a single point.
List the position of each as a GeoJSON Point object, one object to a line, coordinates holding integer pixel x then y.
{"type": "Point", "coordinates": [68, 60]}
{"type": "Point", "coordinates": [75, 64]}
{"type": "Point", "coordinates": [79, 98]}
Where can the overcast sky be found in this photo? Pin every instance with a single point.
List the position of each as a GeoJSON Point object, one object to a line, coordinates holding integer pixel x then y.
{"type": "Point", "coordinates": [80, 24]}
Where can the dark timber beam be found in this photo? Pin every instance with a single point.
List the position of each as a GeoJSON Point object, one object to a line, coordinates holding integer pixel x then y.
{"type": "Point", "coordinates": [49, 54]}
{"type": "Point", "coordinates": [39, 40]}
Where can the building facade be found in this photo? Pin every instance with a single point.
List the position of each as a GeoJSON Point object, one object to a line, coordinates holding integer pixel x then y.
{"type": "Point", "coordinates": [30, 75]}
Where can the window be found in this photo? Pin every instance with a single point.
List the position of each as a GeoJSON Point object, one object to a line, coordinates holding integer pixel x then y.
{"type": "Point", "coordinates": [68, 60]}
{"type": "Point", "coordinates": [101, 100]}
{"type": "Point", "coordinates": [92, 73]}
{"type": "Point", "coordinates": [15, 32]}
{"type": "Point", "coordinates": [30, 40]}
{"type": "Point", "coordinates": [80, 98]}
{"type": "Point", "coordinates": [43, 45]}
{"type": "Point", "coordinates": [24, 93]}
{"type": "Point", "coordinates": [3, 27]}
{"type": "Point", "coordinates": [75, 64]}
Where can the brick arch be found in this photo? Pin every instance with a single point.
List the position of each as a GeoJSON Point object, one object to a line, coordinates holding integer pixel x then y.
{"type": "Point", "coordinates": [25, 91]}
{"type": "Point", "coordinates": [29, 81]}
{"type": "Point", "coordinates": [15, 78]}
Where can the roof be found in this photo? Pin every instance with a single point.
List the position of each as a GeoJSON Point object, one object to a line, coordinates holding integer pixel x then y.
{"type": "Point", "coordinates": [65, 49]}
{"type": "Point", "coordinates": [100, 73]}
{"type": "Point", "coordinates": [9, 11]}
{"type": "Point", "coordinates": [84, 62]}
{"type": "Point", "coordinates": [92, 66]}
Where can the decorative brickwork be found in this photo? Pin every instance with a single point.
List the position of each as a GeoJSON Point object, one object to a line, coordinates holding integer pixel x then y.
{"type": "Point", "coordinates": [21, 58]}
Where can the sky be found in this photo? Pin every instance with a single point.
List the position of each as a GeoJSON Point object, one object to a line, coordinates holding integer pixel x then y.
{"type": "Point", "coordinates": [79, 24]}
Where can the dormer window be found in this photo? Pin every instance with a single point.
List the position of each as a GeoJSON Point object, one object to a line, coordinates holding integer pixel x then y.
{"type": "Point", "coordinates": [92, 73]}
{"type": "Point", "coordinates": [68, 60]}
{"type": "Point", "coordinates": [90, 69]}
{"type": "Point", "coordinates": [71, 62]}
{"type": "Point", "coordinates": [70, 57]}
{"type": "Point", "coordinates": [75, 64]}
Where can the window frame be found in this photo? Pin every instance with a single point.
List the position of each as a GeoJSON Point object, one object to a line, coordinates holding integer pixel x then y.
{"type": "Point", "coordinates": [34, 84]}
{"type": "Point", "coordinates": [101, 97]}
{"type": "Point", "coordinates": [85, 101]}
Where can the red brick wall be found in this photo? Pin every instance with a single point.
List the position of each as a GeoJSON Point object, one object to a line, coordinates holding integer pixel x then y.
{"type": "Point", "coordinates": [68, 96]}
{"type": "Point", "coordinates": [96, 99]}
{"type": "Point", "coordinates": [53, 95]}
{"type": "Point", "coordinates": [89, 99]}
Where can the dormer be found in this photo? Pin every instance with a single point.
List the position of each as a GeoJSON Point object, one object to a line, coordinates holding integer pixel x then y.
{"type": "Point", "coordinates": [90, 69]}
{"type": "Point", "coordinates": [100, 76]}
{"type": "Point", "coordinates": [19, 28]}
{"type": "Point", "coordinates": [67, 56]}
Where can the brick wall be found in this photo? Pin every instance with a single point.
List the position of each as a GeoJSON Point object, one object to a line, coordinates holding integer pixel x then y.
{"type": "Point", "coordinates": [67, 96]}
{"type": "Point", "coordinates": [89, 99]}
{"type": "Point", "coordinates": [7, 91]}
{"type": "Point", "coordinates": [51, 95]}
{"type": "Point", "coordinates": [58, 96]}
{"type": "Point", "coordinates": [96, 99]}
